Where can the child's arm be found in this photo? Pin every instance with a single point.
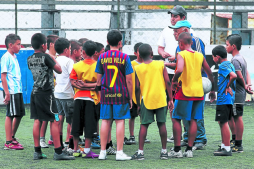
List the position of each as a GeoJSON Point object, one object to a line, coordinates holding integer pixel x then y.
{"type": "Point", "coordinates": [209, 73]}
{"type": "Point", "coordinates": [129, 87]}
{"type": "Point", "coordinates": [137, 92]}
{"type": "Point", "coordinates": [82, 85]}
{"type": "Point", "coordinates": [178, 72]}
{"type": "Point", "coordinates": [240, 79]}
{"type": "Point", "coordinates": [232, 77]}
{"type": "Point", "coordinates": [170, 65]}
{"type": "Point", "coordinates": [5, 86]}
{"type": "Point", "coordinates": [249, 81]}
{"type": "Point", "coordinates": [98, 84]}
{"type": "Point", "coordinates": [169, 90]}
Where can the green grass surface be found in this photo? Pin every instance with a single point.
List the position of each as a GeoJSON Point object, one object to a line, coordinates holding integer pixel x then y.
{"type": "Point", "coordinates": [202, 158]}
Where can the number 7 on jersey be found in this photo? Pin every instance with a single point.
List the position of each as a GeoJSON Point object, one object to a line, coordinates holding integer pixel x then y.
{"type": "Point", "coordinates": [114, 76]}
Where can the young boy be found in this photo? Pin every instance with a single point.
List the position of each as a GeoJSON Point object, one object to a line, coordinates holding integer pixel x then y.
{"type": "Point", "coordinates": [76, 51]}
{"type": "Point", "coordinates": [63, 90]}
{"type": "Point", "coordinates": [233, 46]}
{"type": "Point", "coordinates": [187, 82]}
{"type": "Point", "coordinates": [99, 50]}
{"type": "Point", "coordinates": [43, 104]}
{"type": "Point", "coordinates": [114, 79]}
{"type": "Point", "coordinates": [13, 99]}
{"type": "Point", "coordinates": [51, 39]}
{"type": "Point", "coordinates": [83, 77]}
{"type": "Point", "coordinates": [225, 98]}
{"type": "Point", "coordinates": [152, 81]}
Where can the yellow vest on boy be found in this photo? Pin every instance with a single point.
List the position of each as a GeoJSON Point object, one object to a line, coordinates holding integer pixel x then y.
{"type": "Point", "coordinates": [152, 84]}
{"type": "Point", "coordinates": [134, 63]}
{"type": "Point", "coordinates": [191, 76]}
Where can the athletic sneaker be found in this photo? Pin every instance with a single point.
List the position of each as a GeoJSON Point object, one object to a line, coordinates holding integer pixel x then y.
{"type": "Point", "coordinates": [63, 156]}
{"type": "Point", "coordinates": [102, 156]}
{"type": "Point", "coordinates": [15, 141]}
{"type": "Point", "coordinates": [137, 156]}
{"type": "Point", "coordinates": [65, 145]}
{"type": "Point", "coordinates": [126, 141]}
{"type": "Point", "coordinates": [76, 153]}
{"type": "Point", "coordinates": [90, 154]}
{"type": "Point", "coordinates": [188, 154]}
{"type": "Point", "coordinates": [43, 143]}
{"type": "Point", "coordinates": [222, 152]}
{"type": "Point", "coordinates": [237, 149]}
{"type": "Point", "coordinates": [232, 143]}
{"type": "Point", "coordinates": [199, 146]}
{"type": "Point", "coordinates": [164, 156]}
{"type": "Point", "coordinates": [50, 143]}
{"type": "Point", "coordinates": [97, 140]}
{"type": "Point", "coordinates": [38, 156]}
{"type": "Point", "coordinates": [171, 139]}
{"type": "Point", "coordinates": [111, 150]}
{"type": "Point", "coordinates": [184, 144]}
{"type": "Point", "coordinates": [131, 140]}
{"type": "Point", "coordinates": [12, 146]}
{"type": "Point", "coordinates": [81, 148]}
{"type": "Point", "coordinates": [147, 141]}
{"type": "Point", "coordinates": [173, 154]}
{"type": "Point", "coordinates": [95, 146]}
{"type": "Point", "coordinates": [122, 157]}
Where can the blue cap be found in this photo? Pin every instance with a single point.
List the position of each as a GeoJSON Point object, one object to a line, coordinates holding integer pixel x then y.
{"type": "Point", "coordinates": [179, 24]}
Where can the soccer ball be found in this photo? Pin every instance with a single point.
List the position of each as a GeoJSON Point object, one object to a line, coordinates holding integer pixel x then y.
{"type": "Point", "coordinates": [207, 85]}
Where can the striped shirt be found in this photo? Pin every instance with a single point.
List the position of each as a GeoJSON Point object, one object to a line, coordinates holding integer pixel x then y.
{"type": "Point", "coordinates": [10, 65]}
{"type": "Point", "coordinates": [114, 66]}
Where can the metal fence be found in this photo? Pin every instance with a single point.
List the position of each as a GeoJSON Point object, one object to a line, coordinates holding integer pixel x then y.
{"type": "Point", "coordinates": [141, 20]}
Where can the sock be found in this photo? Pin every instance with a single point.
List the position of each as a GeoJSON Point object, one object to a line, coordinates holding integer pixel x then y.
{"type": "Point", "coordinates": [238, 143]}
{"type": "Point", "coordinates": [222, 145]}
{"type": "Point", "coordinates": [188, 148]}
{"type": "Point", "coordinates": [177, 148]}
{"type": "Point", "coordinates": [61, 141]}
{"type": "Point", "coordinates": [164, 150]}
{"type": "Point", "coordinates": [86, 150]}
{"type": "Point", "coordinates": [233, 136]}
{"type": "Point", "coordinates": [140, 151]}
{"type": "Point", "coordinates": [58, 150]}
{"type": "Point", "coordinates": [71, 145]}
{"type": "Point", "coordinates": [51, 138]}
{"type": "Point", "coordinates": [8, 142]}
{"type": "Point", "coordinates": [227, 148]}
{"type": "Point", "coordinates": [103, 151]}
{"type": "Point", "coordinates": [37, 149]}
{"type": "Point", "coordinates": [119, 152]}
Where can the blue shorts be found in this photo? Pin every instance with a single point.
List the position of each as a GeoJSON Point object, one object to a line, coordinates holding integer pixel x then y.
{"type": "Point", "coordinates": [187, 110]}
{"type": "Point", "coordinates": [115, 111]}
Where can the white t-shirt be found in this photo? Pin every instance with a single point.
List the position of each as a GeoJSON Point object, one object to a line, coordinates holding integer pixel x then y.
{"type": "Point", "coordinates": [63, 88]}
{"type": "Point", "coordinates": [167, 40]}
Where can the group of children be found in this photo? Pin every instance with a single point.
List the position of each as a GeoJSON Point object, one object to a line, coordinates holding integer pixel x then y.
{"type": "Point", "coordinates": [92, 84]}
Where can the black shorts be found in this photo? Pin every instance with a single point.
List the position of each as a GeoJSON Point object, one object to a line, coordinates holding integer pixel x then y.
{"type": "Point", "coordinates": [83, 118]}
{"type": "Point", "coordinates": [15, 108]}
{"type": "Point", "coordinates": [224, 112]}
{"type": "Point", "coordinates": [238, 110]}
{"type": "Point", "coordinates": [97, 112]}
{"type": "Point", "coordinates": [43, 107]}
{"type": "Point", "coordinates": [134, 110]}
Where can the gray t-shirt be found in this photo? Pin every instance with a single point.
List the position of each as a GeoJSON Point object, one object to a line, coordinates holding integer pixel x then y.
{"type": "Point", "coordinates": [240, 65]}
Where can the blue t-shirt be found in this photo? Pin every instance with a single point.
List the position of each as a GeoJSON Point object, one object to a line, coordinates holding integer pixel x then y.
{"type": "Point", "coordinates": [114, 66]}
{"type": "Point", "coordinates": [197, 45]}
{"type": "Point", "coordinates": [225, 68]}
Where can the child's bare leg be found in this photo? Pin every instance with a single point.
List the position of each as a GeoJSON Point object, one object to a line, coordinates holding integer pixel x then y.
{"type": "Point", "coordinates": [231, 124]}
{"type": "Point", "coordinates": [131, 126]}
{"type": "Point", "coordinates": [192, 132]}
{"type": "Point", "coordinates": [68, 133]}
{"type": "Point", "coordinates": [109, 133]}
{"type": "Point", "coordinates": [15, 124]}
{"type": "Point", "coordinates": [239, 127]}
{"type": "Point", "coordinates": [88, 142]}
{"type": "Point", "coordinates": [142, 135]}
{"type": "Point", "coordinates": [61, 120]}
{"type": "Point", "coordinates": [120, 134]}
{"type": "Point", "coordinates": [43, 128]}
{"type": "Point", "coordinates": [105, 127]}
{"type": "Point", "coordinates": [75, 142]}
{"type": "Point", "coordinates": [36, 132]}
{"type": "Point", "coordinates": [163, 134]}
{"type": "Point", "coordinates": [225, 133]}
{"type": "Point", "coordinates": [55, 133]}
{"type": "Point", "coordinates": [177, 131]}
{"type": "Point", "coordinates": [8, 128]}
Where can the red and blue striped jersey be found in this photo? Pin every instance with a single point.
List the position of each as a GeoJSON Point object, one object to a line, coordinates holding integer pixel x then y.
{"type": "Point", "coordinates": [114, 66]}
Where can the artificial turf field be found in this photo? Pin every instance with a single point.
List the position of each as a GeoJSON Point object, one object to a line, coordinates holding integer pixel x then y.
{"type": "Point", "coordinates": [201, 159]}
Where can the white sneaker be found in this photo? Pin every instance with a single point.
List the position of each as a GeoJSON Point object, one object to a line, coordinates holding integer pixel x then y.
{"type": "Point", "coordinates": [122, 157]}
{"type": "Point", "coordinates": [102, 156]}
{"type": "Point", "coordinates": [171, 139]}
{"type": "Point", "coordinates": [173, 154]}
{"type": "Point", "coordinates": [43, 143]}
{"type": "Point", "coordinates": [188, 154]}
{"type": "Point", "coordinates": [65, 145]}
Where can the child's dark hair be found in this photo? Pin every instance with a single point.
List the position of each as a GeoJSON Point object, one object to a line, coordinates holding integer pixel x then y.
{"type": "Point", "coordinates": [89, 47]}
{"type": "Point", "coordinates": [145, 51]}
{"type": "Point", "coordinates": [51, 39]}
{"type": "Point", "coordinates": [82, 40]}
{"type": "Point", "coordinates": [61, 44]}
{"type": "Point", "coordinates": [38, 40]}
{"type": "Point", "coordinates": [136, 46]}
{"type": "Point", "coordinates": [75, 45]}
{"type": "Point", "coordinates": [236, 40]}
{"type": "Point", "coordinates": [220, 51]}
{"type": "Point", "coordinates": [185, 37]}
{"type": "Point", "coordinates": [107, 48]}
{"type": "Point", "coordinates": [99, 46]}
{"type": "Point", "coordinates": [11, 38]}
{"type": "Point", "coordinates": [114, 37]}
